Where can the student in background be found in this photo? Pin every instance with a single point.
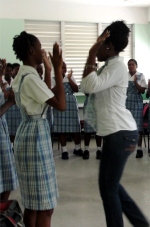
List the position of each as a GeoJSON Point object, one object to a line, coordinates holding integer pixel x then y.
{"type": "Point", "coordinates": [68, 121]}
{"type": "Point", "coordinates": [8, 175]}
{"type": "Point", "coordinates": [40, 71]}
{"type": "Point", "coordinates": [88, 131]}
{"type": "Point", "coordinates": [134, 102]}
{"type": "Point", "coordinates": [15, 69]}
{"type": "Point", "coordinates": [32, 146]}
{"type": "Point", "coordinates": [7, 77]}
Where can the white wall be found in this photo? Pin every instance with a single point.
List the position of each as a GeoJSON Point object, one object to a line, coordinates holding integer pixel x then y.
{"type": "Point", "coordinates": [49, 10]}
{"type": "Point", "coordinates": [149, 14]}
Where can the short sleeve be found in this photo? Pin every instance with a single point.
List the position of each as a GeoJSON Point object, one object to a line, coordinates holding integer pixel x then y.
{"type": "Point", "coordinates": [36, 89]}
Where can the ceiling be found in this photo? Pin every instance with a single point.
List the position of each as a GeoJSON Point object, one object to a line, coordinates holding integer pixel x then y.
{"type": "Point", "coordinates": [134, 3]}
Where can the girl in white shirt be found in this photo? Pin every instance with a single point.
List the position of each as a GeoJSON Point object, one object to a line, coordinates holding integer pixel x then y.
{"type": "Point", "coordinates": [32, 145]}
{"type": "Point", "coordinates": [112, 121]}
{"type": "Point", "coordinates": [134, 102]}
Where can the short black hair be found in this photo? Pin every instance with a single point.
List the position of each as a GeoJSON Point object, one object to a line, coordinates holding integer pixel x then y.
{"type": "Point", "coordinates": [22, 44]}
{"type": "Point", "coordinates": [9, 65]}
{"type": "Point", "coordinates": [15, 65]}
{"type": "Point", "coordinates": [119, 34]}
{"type": "Point", "coordinates": [133, 61]}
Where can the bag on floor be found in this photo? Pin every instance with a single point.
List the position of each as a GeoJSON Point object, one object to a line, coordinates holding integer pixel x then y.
{"type": "Point", "coordinates": [10, 214]}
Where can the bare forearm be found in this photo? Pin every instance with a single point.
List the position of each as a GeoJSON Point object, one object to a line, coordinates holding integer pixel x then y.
{"type": "Point", "coordinates": [90, 65]}
{"type": "Point", "coordinates": [47, 78]}
{"type": "Point", "coordinates": [140, 89]}
{"type": "Point", "coordinates": [73, 85]}
{"type": "Point", "coordinates": [5, 107]}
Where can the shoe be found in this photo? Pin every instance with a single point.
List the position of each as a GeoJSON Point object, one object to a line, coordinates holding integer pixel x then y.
{"type": "Point", "coordinates": [98, 154]}
{"type": "Point", "coordinates": [65, 155]}
{"type": "Point", "coordinates": [139, 154]}
{"type": "Point", "coordinates": [86, 154]}
{"type": "Point", "coordinates": [78, 152]}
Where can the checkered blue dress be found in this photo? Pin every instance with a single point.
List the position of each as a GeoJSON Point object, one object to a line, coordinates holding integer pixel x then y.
{"type": "Point", "coordinates": [87, 128]}
{"type": "Point", "coordinates": [67, 121]}
{"type": "Point", "coordinates": [8, 175]}
{"type": "Point", "coordinates": [13, 118]}
{"type": "Point", "coordinates": [134, 103]}
{"type": "Point", "coordinates": [50, 117]}
{"type": "Point", "coordinates": [34, 161]}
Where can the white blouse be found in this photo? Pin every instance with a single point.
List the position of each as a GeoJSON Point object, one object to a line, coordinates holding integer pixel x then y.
{"type": "Point", "coordinates": [110, 97]}
{"type": "Point", "coordinates": [34, 91]}
{"type": "Point", "coordinates": [140, 80]}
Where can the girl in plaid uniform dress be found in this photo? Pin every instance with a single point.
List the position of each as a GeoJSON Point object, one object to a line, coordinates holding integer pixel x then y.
{"type": "Point", "coordinates": [13, 118]}
{"type": "Point", "coordinates": [32, 145]}
{"type": "Point", "coordinates": [8, 176]}
{"type": "Point", "coordinates": [134, 101]}
{"type": "Point", "coordinates": [68, 121]}
{"type": "Point", "coordinates": [88, 130]}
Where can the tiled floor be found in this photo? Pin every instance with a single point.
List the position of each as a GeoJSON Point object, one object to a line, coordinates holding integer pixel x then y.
{"type": "Point", "coordinates": [79, 204]}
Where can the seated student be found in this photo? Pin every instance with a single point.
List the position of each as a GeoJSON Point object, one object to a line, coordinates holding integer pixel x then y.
{"type": "Point", "coordinates": [68, 121]}
{"type": "Point", "coordinates": [8, 175]}
{"type": "Point", "coordinates": [15, 69]}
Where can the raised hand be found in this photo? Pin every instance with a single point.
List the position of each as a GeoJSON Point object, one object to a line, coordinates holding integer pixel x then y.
{"type": "Point", "coordinates": [56, 57]}
{"type": "Point", "coordinates": [70, 74]}
{"type": "Point", "coordinates": [100, 39]}
{"type": "Point", "coordinates": [2, 66]}
{"type": "Point", "coordinates": [46, 61]}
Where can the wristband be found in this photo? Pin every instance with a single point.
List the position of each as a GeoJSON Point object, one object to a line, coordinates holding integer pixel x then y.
{"type": "Point", "coordinates": [91, 66]}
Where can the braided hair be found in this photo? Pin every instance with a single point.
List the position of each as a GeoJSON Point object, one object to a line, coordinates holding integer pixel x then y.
{"type": "Point", "coordinates": [22, 44]}
{"type": "Point", "coordinates": [119, 34]}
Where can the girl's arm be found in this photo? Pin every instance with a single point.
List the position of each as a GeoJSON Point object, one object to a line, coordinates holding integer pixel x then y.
{"type": "Point", "coordinates": [73, 85]}
{"type": "Point", "coordinates": [58, 101]}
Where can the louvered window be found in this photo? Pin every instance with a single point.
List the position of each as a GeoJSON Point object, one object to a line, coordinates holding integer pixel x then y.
{"type": "Point", "coordinates": [79, 37]}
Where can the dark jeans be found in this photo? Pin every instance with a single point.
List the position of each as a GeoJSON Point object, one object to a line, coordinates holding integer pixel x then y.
{"type": "Point", "coordinates": [116, 149]}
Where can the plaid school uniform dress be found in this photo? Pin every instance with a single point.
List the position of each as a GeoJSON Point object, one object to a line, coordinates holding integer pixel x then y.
{"type": "Point", "coordinates": [134, 103]}
{"type": "Point", "coordinates": [34, 161]}
{"type": "Point", "coordinates": [8, 175]}
{"type": "Point", "coordinates": [67, 121]}
{"type": "Point", "coordinates": [13, 118]}
{"type": "Point", "coordinates": [87, 127]}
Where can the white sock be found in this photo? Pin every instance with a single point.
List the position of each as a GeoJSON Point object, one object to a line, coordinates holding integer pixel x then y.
{"type": "Point", "coordinates": [86, 148]}
{"type": "Point", "coordinates": [139, 148]}
{"type": "Point", "coordinates": [12, 145]}
{"type": "Point", "coordinates": [77, 146]}
{"type": "Point", "coordinates": [99, 148]}
{"type": "Point", "coordinates": [64, 149]}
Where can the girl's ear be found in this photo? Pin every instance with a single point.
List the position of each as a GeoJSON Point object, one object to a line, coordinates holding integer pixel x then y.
{"type": "Point", "coordinates": [31, 50]}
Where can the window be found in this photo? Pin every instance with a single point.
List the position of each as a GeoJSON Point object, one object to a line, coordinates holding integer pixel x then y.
{"type": "Point", "coordinates": [75, 40]}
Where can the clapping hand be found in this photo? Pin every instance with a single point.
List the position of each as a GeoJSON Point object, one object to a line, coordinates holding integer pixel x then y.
{"type": "Point", "coordinates": [46, 61]}
{"type": "Point", "coordinates": [2, 66]}
{"type": "Point", "coordinates": [70, 74]}
{"type": "Point", "coordinates": [56, 57]}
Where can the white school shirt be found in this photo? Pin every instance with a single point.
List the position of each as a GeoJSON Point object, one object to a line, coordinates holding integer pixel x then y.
{"type": "Point", "coordinates": [110, 97]}
{"type": "Point", "coordinates": [34, 91]}
{"type": "Point", "coordinates": [141, 81]}
{"type": "Point", "coordinates": [65, 79]}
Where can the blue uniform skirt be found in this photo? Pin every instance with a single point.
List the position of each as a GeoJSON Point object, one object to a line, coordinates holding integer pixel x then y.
{"type": "Point", "coordinates": [67, 121]}
{"type": "Point", "coordinates": [87, 128]}
{"type": "Point", "coordinates": [13, 118]}
{"type": "Point", "coordinates": [35, 164]}
{"type": "Point", "coordinates": [134, 103]}
{"type": "Point", "coordinates": [8, 175]}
